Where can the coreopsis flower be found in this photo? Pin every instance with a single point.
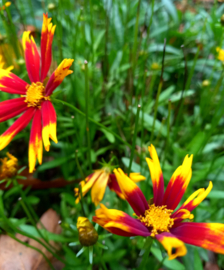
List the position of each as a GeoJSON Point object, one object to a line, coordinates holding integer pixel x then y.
{"type": "Point", "coordinates": [159, 220]}
{"type": "Point", "coordinates": [9, 166]}
{"type": "Point", "coordinates": [220, 55]}
{"type": "Point", "coordinates": [99, 180]}
{"type": "Point", "coordinates": [88, 236]}
{"type": "Point", "coordinates": [34, 101]}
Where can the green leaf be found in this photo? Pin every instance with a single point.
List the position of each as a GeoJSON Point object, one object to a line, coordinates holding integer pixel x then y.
{"type": "Point", "coordinates": [173, 264]}
{"type": "Point", "coordinates": [197, 142]}
{"type": "Point", "coordinates": [216, 194]}
{"type": "Point", "coordinates": [32, 199]}
{"type": "Point", "coordinates": [54, 163]}
{"type": "Point", "coordinates": [171, 9]}
{"type": "Point", "coordinates": [197, 261]}
{"type": "Point", "coordinates": [80, 251]}
{"type": "Point", "coordinates": [98, 39]}
{"type": "Point", "coordinates": [110, 137]}
{"type": "Point", "coordinates": [91, 254]}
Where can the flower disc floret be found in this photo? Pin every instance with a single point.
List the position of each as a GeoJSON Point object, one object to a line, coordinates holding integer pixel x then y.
{"type": "Point", "coordinates": [158, 219]}
{"type": "Point", "coordinates": [9, 166]}
{"type": "Point", "coordinates": [35, 94]}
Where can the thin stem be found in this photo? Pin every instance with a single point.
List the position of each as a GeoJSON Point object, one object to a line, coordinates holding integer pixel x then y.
{"type": "Point", "coordinates": [87, 113]}
{"type": "Point", "coordinates": [83, 177]}
{"type": "Point", "coordinates": [32, 12]}
{"type": "Point", "coordinates": [134, 51]}
{"type": "Point", "coordinates": [150, 23]}
{"type": "Point", "coordinates": [147, 248]}
{"type": "Point", "coordinates": [22, 201]}
{"type": "Point", "coordinates": [92, 120]}
{"type": "Point", "coordinates": [160, 264]}
{"type": "Point", "coordinates": [78, 165]}
{"type": "Point", "coordinates": [184, 85]}
{"type": "Point", "coordinates": [168, 131]}
{"type": "Point", "coordinates": [91, 30]}
{"type": "Point", "coordinates": [142, 121]}
{"type": "Point", "coordinates": [158, 92]}
{"type": "Point", "coordinates": [13, 227]}
{"type": "Point", "coordinates": [34, 248]}
{"type": "Point", "coordinates": [134, 139]}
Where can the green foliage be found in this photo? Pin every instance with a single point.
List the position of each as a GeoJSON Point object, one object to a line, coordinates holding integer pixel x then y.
{"type": "Point", "coordinates": [122, 44]}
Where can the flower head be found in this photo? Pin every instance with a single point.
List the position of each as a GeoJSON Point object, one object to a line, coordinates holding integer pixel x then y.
{"type": "Point", "coordinates": [159, 219]}
{"type": "Point", "coordinates": [9, 166]}
{"type": "Point", "coordinates": [99, 180]}
{"type": "Point", "coordinates": [88, 236]}
{"type": "Point", "coordinates": [34, 101]}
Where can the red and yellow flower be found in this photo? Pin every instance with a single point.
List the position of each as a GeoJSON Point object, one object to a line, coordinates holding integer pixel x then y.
{"type": "Point", "coordinates": [99, 180]}
{"type": "Point", "coordinates": [34, 101]}
{"type": "Point", "coordinates": [159, 220]}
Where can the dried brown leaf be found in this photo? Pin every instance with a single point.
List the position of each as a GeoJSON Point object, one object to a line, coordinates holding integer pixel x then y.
{"type": "Point", "coordinates": [15, 256]}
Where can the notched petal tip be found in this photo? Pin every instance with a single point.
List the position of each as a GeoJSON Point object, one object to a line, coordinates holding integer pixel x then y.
{"type": "Point", "coordinates": [174, 246]}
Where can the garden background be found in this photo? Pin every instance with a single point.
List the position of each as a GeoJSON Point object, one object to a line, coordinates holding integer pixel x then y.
{"type": "Point", "coordinates": [144, 72]}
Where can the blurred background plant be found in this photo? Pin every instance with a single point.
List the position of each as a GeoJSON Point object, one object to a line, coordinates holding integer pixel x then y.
{"type": "Point", "coordinates": [161, 55]}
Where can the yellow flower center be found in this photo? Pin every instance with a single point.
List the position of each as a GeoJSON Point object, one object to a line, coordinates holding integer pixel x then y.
{"type": "Point", "coordinates": [158, 219]}
{"type": "Point", "coordinates": [9, 166]}
{"type": "Point", "coordinates": [35, 95]}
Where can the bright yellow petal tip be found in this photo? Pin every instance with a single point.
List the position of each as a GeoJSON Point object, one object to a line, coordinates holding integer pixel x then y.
{"type": "Point", "coordinates": [172, 242]}
{"type": "Point", "coordinates": [63, 70]}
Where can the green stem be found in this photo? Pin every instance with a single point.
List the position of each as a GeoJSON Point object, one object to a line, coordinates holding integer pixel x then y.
{"type": "Point", "coordinates": [91, 30]}
{"type": "Point", "coordinates": [160, 264]}
{"type": "Point", "coordinates": [34, 248]}
{"type": "Point", "coordinates": [87, 113]}
{"type": "Point", "coordinates": [134, 51]}
{"type": "Point", "coordinates": [83, 177]}
{"type": "Point", "coordinates": [92, 120]}
{"type": "Point", "coordinates": [78, 165]}
{"type": "Point", "coordinates": [156, 108]}
{"type": "Point", "coordinates": [22, 201]}
{"type": "Point", "coordinates": [134, 56]}
{"type": "Point", "coordinates": [32, 12]}
{"type": "Point", "coordinates": [147, 248]}
{"type": "Point", "coordinates": [168, 131]}
{"type": "Point", "coordinates": [142, 122]}
{"type": "Point", "coordinates": [158, 92]}
{"type": "Point", "coordinates": [134, 139]}
{"type": "Point", "coordinates": [15, 229]}
{"type": "Point", "coordinates": [11, 32]}
{"type": "Point", "coordinates": [150, 23]}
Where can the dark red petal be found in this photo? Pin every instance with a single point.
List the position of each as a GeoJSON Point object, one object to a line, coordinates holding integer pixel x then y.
{"type": "Point", "coordinates": [205, 235]}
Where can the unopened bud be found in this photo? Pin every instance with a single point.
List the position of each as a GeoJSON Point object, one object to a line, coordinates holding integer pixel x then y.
{"type": "Point", "coordinates": [51, 6]}
{"type": "Point", "coordinates": [155, 66]}
{"type": "Point", "coordinates": [88, 236]}
{"type": "Point", "coordinates": [205, 83]}
{"type": "Point", "coordinates": [222, 20]}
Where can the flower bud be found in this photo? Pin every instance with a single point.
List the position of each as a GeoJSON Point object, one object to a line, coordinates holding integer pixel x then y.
{"type": "Point", "coordinates": [222, 20]}
{"type": "Point", "coordinates": [51, 6]}
{"type": "Point", "coordinates": [88, 236]}
{"type": "Point", "coordinates": [205, 83]}
{"type": "Point", "coordinates": [155, 66]}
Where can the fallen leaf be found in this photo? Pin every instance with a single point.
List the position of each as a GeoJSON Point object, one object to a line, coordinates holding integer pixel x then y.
{"type": "Point", "coordinates": [16, 256]}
